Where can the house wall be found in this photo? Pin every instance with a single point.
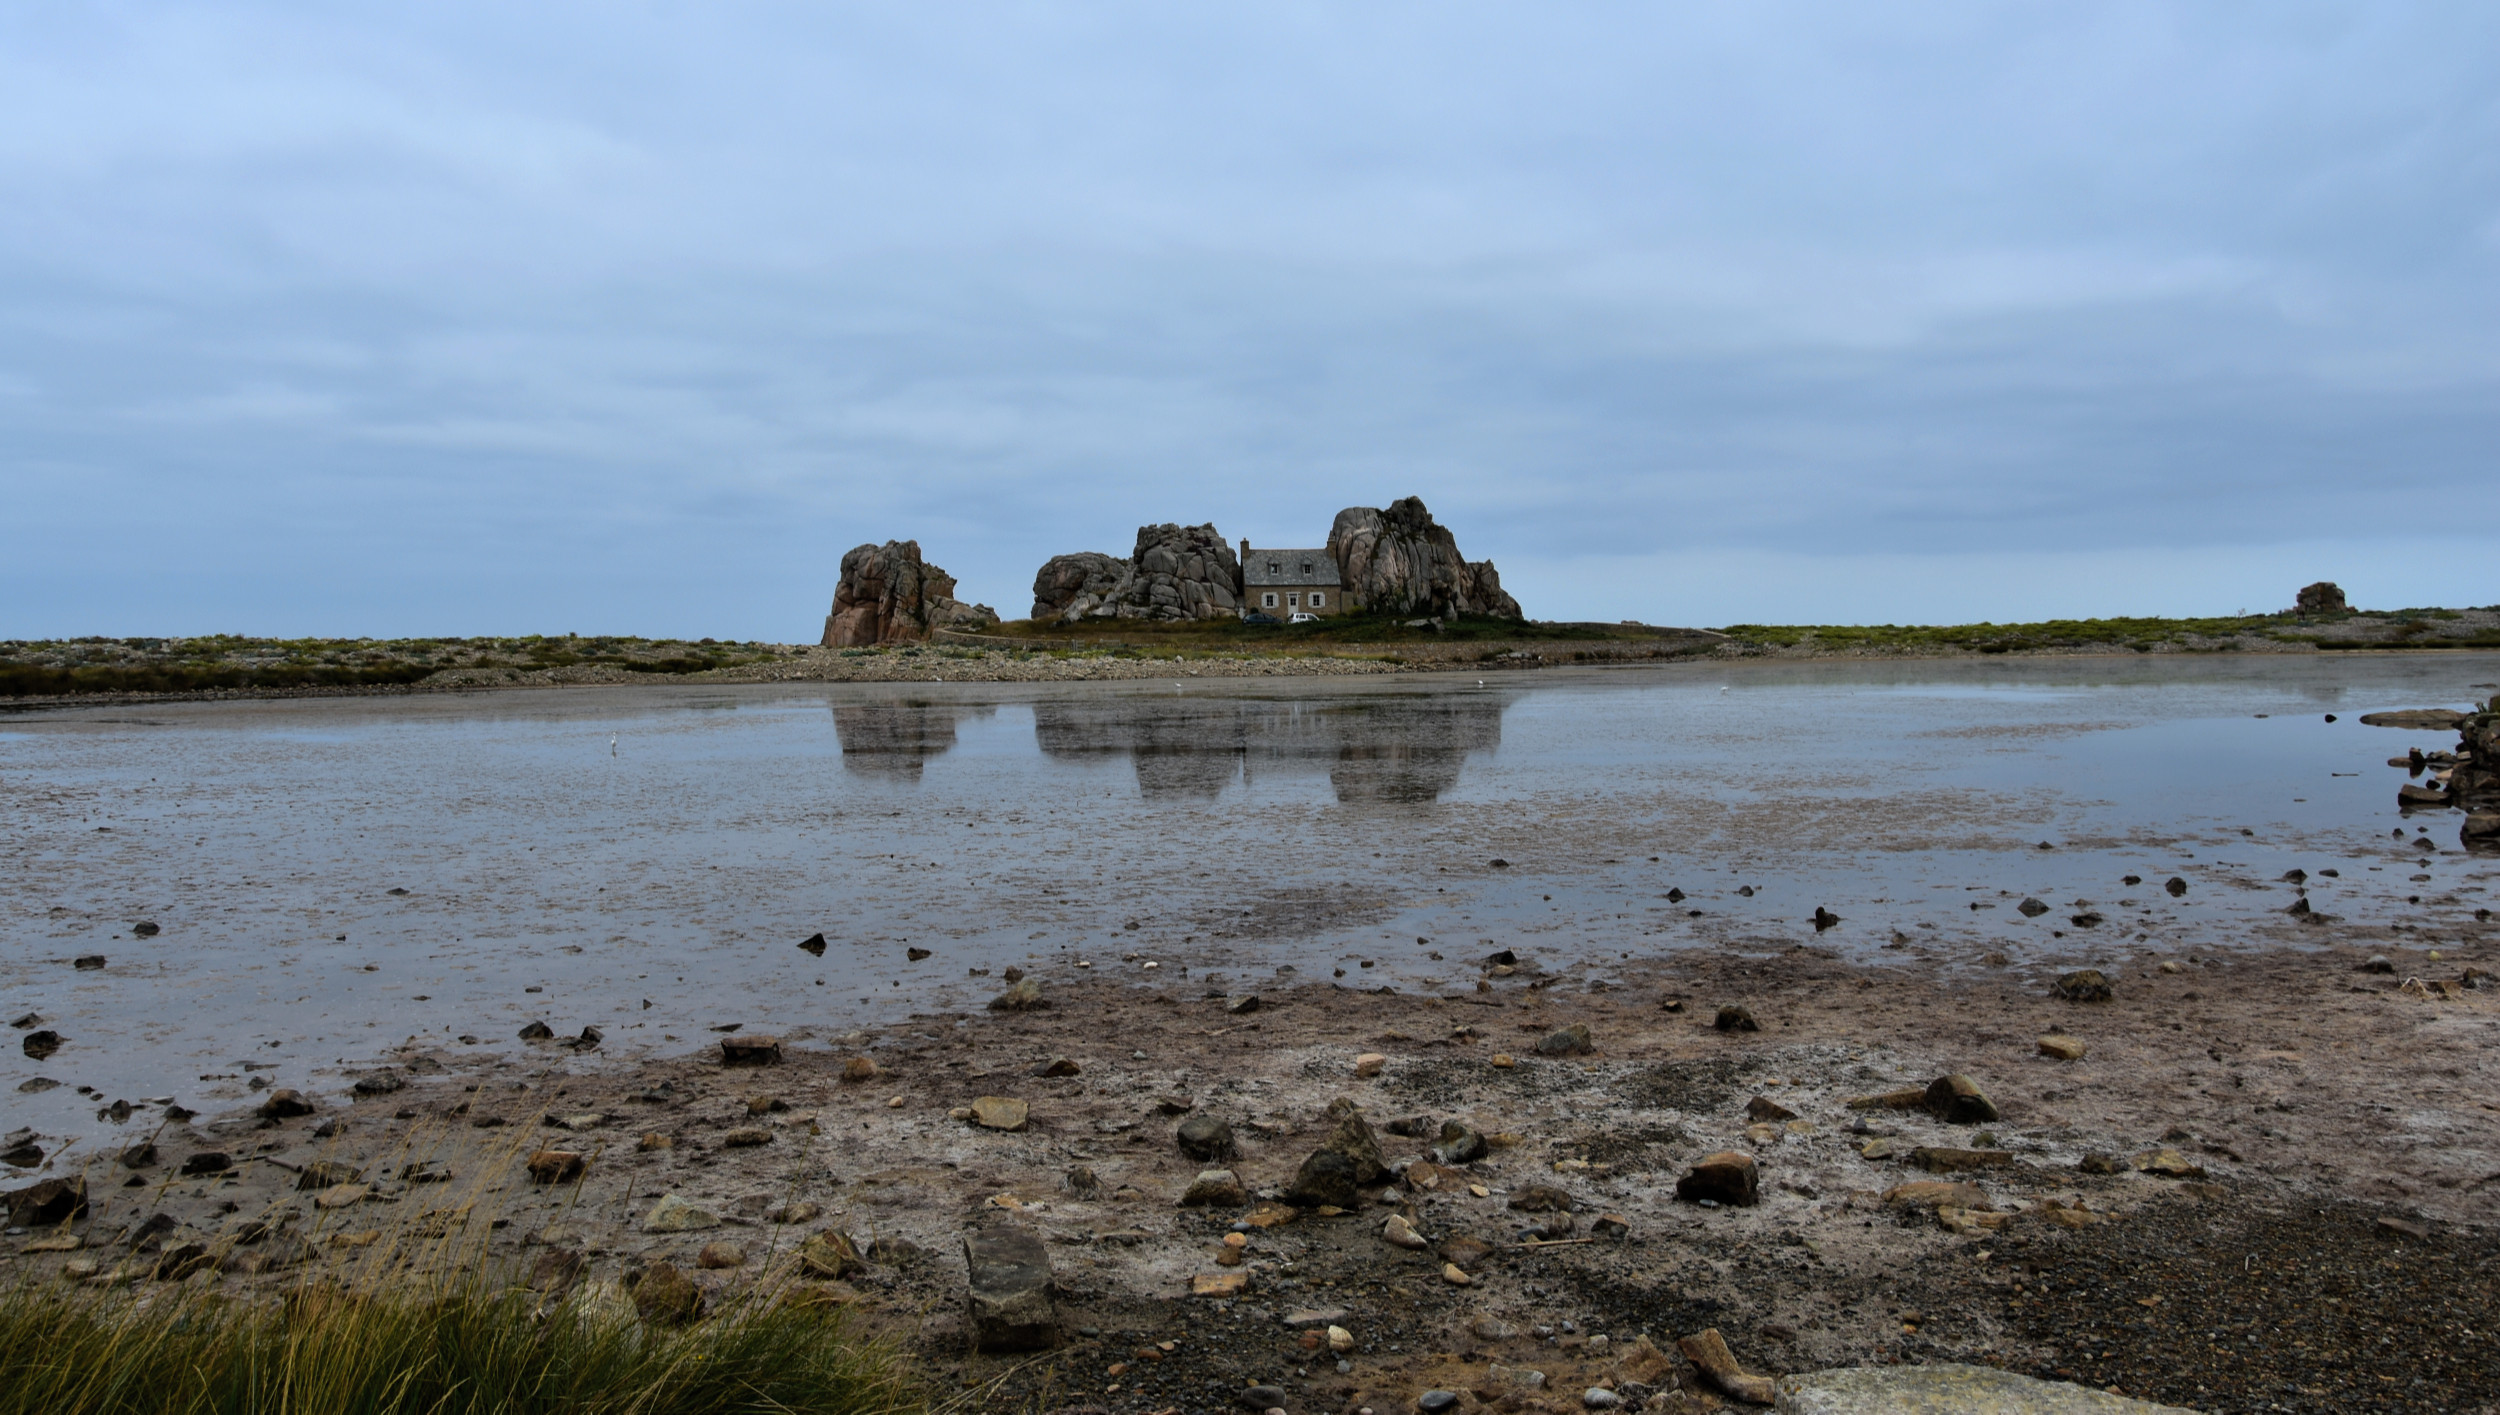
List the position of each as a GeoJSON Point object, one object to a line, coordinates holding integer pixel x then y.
{"type": "Point", "coordinates": [1292, 599]}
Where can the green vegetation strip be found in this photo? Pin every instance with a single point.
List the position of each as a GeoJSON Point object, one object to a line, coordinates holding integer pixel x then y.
{"type": "Point", "coordinates": [469, 1350]}
{"type": "Point", "coordinates": [228, 662]}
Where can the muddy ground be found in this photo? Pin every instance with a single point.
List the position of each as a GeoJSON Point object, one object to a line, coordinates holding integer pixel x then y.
{"type": "Point", "coordinates": [2330, 1249]}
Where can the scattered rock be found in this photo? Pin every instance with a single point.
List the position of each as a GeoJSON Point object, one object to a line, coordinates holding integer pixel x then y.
{"type": "Point", "coordinates": [663, 1296]}
{"type": "Point", "coordinates": [87, 963]}
{"type": "Point", "coordinates": [1459, 1145]}
{"type": "Point", "coordinates": [1203, 1137]}
{"type": "Point", "coordinates": [324, 1174]}
{"type": "Point", "coordinates": [795, 1211]}
{"type": "Point", "coordinates": [1325, 1179]}
{"type": "Point", "coordinates": [2098, 1163]}
{"type": "Point", "coordinates": [1540, 1199]}
{"type": "Point", "coordinates": [1059, 1066]}
{"type": "Point", "coordinates": [2031, 908]}
{"type": "Point", "coordinates": [750, 1050]}
{"type": "Point", "coordinates": [1009, 1290]}
{"type": "Point", "coordinates": [39, 1045]}
{"type": "Point", "coordinates": [830, 1254]}
{"type": "Point", "coordinates": [1369, 1064]}
{"type": "Point", "coordinates": [2083, 985]}
{"type": "Point", "coordinates": [746, 1137]}
{"type": "Point", "coordinates": [1398, 1233]}
{"type": "Point", "coordinates": [47, 1203]}
{"type": "Point", "coordinates": [206, 1162]}
{"type": "Point", "coordinates": [814, 943]}
{"type": "Point", "coordinates": [1022, 995]}
{"type": "Point", "coordinates": [1709, 1354]}
{"type": "Point", "coordinates": [1727, 1177]}
{"type": "Point", "coordinates": [1219, 1284]}
{"type": "Point", "coordinates": [1957, 1100]}
{"type": "Point", "coordinates": [1217, 1189]}
{"type": "Point", "coordinates": [537, 1032]}
{"type": "Point", "coordinates": [1735, 1019]}
{"type": "Point", "coordinates": [1242, 1006]}
{"type": "Point", "coordinates": [2061, 1048]}
{"type": "Point", "coordinates": [2376, 963]}
{"type": "Point", "coordinates": [1456, 1276]}
{"type": "Point", "coordinates": [999, 1113]}
{"type": "Point", "coordinates": [675, 1215]}
{"type": "Point", "coordinates": [2169, 1164]}
{"type": "Point", "coordinates": [1763, 1108]}
{"type": "Point", "coordinates": [556, 1166]}
{"type": "Point", "coordinates": [341, 1196]}
{"type": "Point", "coordinates": [860, 1068]}
{"type": "Point", "coordinates": [1934, 1193]}
{"type": "Point", "coordinates": [1568, 1041]}
{"type": "Point", "coordinates": [1610, 1226]}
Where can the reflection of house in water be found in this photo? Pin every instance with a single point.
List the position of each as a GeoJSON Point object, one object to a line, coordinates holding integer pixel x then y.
{"type": "Point", "coordinates": [1389, 747]}
{"type": "Point", "coordinates": [895, 738]}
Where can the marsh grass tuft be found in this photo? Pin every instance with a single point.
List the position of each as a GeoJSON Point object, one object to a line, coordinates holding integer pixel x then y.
{"type": "Point", "coordinates": [474, 1345]}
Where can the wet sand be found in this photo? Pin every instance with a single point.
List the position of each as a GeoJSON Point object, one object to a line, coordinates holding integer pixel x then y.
{"type": "Point", "coordinates": [2314, 1101]}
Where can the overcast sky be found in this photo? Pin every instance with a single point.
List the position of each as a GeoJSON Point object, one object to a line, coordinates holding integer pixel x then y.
{"type": "Point", "coordinates": [451, 318]}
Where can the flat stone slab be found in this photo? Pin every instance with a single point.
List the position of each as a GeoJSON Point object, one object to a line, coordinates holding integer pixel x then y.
{"type": "Point", "coordinates": [1947, 1390]}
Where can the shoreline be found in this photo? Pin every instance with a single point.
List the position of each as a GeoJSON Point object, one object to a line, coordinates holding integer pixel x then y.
{"type": "Point", "coordinates": [2309, 1129]}
{"type": "Point", "coordinates": [942, 663]}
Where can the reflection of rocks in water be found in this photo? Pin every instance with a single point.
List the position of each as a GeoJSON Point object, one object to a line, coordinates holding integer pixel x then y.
{"type": "Point", "coordinates": [1185, 748]}
{"type": "Point", "coordinates": [895, 739]}
{"type": "Point", "coordinates": [1392, 748]}
{"type": "Point", "coordinates": [1412, 749]}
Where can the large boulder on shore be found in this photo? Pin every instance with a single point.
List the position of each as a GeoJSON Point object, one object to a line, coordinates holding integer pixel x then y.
{"type": "Point", "coordinates": [2324, 597]}
{"type": "Point", "coordinates": [1175, 572]}
{"type": "Point", "coordinates": [889, 595]}
{"type": "Point", "coordinates": [1398, 560]}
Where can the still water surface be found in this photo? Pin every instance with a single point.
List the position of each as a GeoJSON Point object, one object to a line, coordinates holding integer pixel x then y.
{"type": "Point", "coordinates": [647, 859]}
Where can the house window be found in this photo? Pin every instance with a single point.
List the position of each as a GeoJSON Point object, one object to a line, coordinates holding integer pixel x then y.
{"type": "Point", "coordinates": [1318, 599]}
{"type": "Point", "coordinates": [1267, 601]}
{"type": "Point", "coordinates": [1293, 599]}
{"type": "Point", "coordinates": [1275, 569]}
{"type": "Point", "coordinates": [1306, 567]}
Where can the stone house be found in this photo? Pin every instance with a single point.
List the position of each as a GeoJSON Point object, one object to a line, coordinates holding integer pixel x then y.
{"type": "Point", "coordinates": [1289, 582]}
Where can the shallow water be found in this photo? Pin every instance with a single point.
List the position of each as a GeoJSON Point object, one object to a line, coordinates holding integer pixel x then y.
{"type": "Point", "coordinates": [646, 859]}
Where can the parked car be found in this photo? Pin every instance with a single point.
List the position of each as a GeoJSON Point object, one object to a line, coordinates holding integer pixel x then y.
{"type": "Point", "coordinates": [1303, 617]}
{"type": "Point", "coordinates": [1254, 617]}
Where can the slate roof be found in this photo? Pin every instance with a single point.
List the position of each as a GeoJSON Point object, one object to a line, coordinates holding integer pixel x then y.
{"type": "Point", "coordinates": [1289, 569]}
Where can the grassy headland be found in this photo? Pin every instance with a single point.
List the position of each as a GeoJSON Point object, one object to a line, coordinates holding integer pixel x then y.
{"type": "Point", "coordinates": [236, 665]}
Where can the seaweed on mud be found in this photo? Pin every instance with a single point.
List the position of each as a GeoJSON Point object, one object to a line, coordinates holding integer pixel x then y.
{"type": "Point", "coordinates": [1629, 1150]}
{"type": "Point", "coordinates": [1693, 1087]}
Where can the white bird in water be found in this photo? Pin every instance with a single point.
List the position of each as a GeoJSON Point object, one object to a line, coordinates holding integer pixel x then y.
{"type": "Point", "coordinates": [611, 744]}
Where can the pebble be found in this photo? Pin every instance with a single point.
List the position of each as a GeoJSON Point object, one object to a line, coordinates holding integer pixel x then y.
{"type": "Point", "coordinates": [1600, 1398]}
{"type": "Point", "coordinates": [1369, 1064]}
{"type": "Point", "coordinates": [1433, 1402]}
{"type": "Point", "coordinates": [1401, 1234]}
{"type": "Point", "coordinates": [2062, 1048]}
{"type": "Point", "coordinates": [1451, 1274]}
{"type": "Point", "coordinates": [999, 1113]}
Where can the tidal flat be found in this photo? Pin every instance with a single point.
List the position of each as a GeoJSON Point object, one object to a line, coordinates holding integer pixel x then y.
{"type": "Point", "coordinates": [1887, 865]}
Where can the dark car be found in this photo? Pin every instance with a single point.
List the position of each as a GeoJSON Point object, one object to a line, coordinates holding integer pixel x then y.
{"type": "Point", "coordinates": [1254, 617]}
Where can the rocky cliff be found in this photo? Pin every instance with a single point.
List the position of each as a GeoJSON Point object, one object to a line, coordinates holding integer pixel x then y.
{"type": "Point", "coordinates": [1176, 572]}
{"type": "Point", "coordinates": [888, 595]}
{"type": "Point", "coordinates": [1398, 560]}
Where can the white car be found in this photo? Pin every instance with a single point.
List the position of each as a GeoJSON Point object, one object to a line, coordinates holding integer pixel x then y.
{"type": "Point", "coordinates": [1303, 617]}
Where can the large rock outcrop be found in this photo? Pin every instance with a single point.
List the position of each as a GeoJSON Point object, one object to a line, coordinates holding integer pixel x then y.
{"type": "Point", "coordinates": [1176, 572]}
{"type": "Point", "coordinates": [888, 595]}
{"type": "Point", "coordinates": [1398, 560]}
{"type": "Point", "coordinates": [2324, 597]}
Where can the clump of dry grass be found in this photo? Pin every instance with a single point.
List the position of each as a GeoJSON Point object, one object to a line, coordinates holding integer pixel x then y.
{"type": "Point", "coordinates": [1022, 995]}
{"type": "Point", "coordinates": [426, 1322]}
